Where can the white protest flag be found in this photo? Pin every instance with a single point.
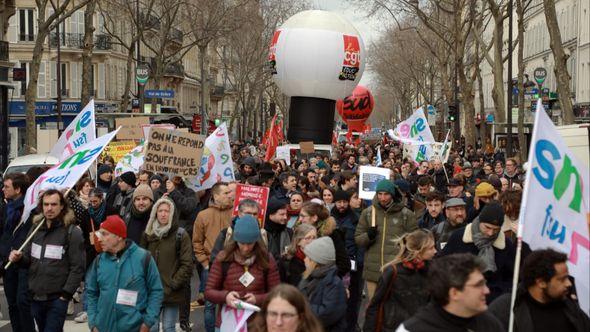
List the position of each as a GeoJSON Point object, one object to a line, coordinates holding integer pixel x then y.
{"type": "Point", "coordinates": [379, 161]}
{"type": "Point", "coordinates": [67, 173]}
{"type": "Point", "coordinates": [414, 130]}
{"type": "Point", "coordinates": [235, 320]}
{"type": "Point", "coordinates": [216, 162]}
{"type": "Point", "coordinates": [555, 206]}
{"type": "Point", "coordinates": [132, 161]}
{"type": "Point", "coordinates": [79, 132]}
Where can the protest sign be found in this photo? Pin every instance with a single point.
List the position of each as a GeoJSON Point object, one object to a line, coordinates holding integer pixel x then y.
{"type": "Point", "coordinates": [235, 320]}
{"type": "Point", "coordinates": [79, 132]}
{"type": "Point", "coordinates": [415, 131]}
{"type": "Point", "coordinates": [369, 177]}
{"type": "Point", "coordinates": [255, 193]}
{"type": "Point", "coordinates": [306, 147]}
{"type": "Point", "coordinates": [118, 149]}
{"type": "Point", "coordinates": [67, 173]}
{"type": "Point", "coordinates": [131, 127]}
{"type": "Point", "coordinates": [173, 152]}
{"type": "Point", "coordinates": [145, 128]}
{"type": "Point", "coordinates": [555, 206]}
{"type": "Point", "coordinates": [216, 162]}
{"type": "Point", "coordinates": [132, 161]}
{"type": "Point", "coordinates": [284, 152]}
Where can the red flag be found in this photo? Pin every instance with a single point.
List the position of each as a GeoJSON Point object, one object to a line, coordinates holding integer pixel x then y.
{"type": "Point", "coordinates": [272, 138]}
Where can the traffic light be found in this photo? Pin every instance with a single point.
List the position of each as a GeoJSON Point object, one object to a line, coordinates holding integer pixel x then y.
{"type": "Point", "coordinates": [452, 113]}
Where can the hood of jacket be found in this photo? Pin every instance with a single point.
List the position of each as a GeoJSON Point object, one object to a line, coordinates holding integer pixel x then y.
{"type": "Point", "coordinates": [68, 219]}
{"type": "Point", "coordinates": [149, 229]}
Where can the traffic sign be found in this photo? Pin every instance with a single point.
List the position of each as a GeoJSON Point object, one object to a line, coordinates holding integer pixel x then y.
{"type": "Point", "coordinates": [540, 74]}
{"type": "Point", "coordinates": [142, 73]}
{"type": "Point", "coordinates": [531, 92]}
{"type": "Point", "coordinates": [159, 93]}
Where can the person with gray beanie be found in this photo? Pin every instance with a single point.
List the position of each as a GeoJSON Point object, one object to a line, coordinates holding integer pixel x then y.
{"type": "Point", "coordinates": [322, 286]}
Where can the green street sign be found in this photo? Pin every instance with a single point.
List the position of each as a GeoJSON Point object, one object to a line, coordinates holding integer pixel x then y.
{"type": "Point", "coordinates": [540, 74]}
{"type": "Point", "coordinates": [142, 73]}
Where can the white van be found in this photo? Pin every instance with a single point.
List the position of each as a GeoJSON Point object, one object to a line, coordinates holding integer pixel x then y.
{"type": "Point", "coordinates": [577, 138]}
{"type": "Point", "coordinates": [23, 163]}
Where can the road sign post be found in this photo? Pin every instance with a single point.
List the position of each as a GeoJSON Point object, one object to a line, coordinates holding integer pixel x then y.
{"type": "Point", "coordinates": [540, 74]}
{"type": "Point", "coordinates": [142, 74]}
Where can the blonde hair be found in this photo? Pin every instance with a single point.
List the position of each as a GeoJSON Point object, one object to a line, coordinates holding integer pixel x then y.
{"type": "Point", "coordinates": [411, 246]}
{"type": "Point", "coordinates": [299, 233]}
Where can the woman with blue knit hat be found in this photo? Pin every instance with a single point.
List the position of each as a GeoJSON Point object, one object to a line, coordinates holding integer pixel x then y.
{"type": "Point", "coordinates": [379, 225]}
{"type": "Point", "coordinates": [322, 286]}
{"type": "Point", "coordinates": [244, 270]}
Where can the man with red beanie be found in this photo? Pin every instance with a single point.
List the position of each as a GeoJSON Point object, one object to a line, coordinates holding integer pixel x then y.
{"type": "Point", "coordinates": [115, 303]}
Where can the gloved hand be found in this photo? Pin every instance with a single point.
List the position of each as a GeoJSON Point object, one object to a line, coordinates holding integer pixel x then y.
{"type": "Point", "coordinates": [372, 232]}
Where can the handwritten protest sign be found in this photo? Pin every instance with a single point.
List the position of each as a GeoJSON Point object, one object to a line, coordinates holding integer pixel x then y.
{"type": "Point", "coordinates": [145, 128]}
{"type": "Point", "coordinates": [118, 149]}
{"type": "Point", "coordinates": [369, 177]}
{"type": "Point", "coordinates": [255, 193]}
{"type": "Point", "coordinates": [131, 127]}
{"type": "Point", "coordinates": [173, 152]}
{"type": "Point", "coordinates": [284, 152]}
{"type": "Point", "coordinates": [307, 147]}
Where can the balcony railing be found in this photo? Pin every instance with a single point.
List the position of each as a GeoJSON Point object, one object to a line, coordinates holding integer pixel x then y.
{"type": "Point", "coordinates": [174, 69]}
{"type": "Point", "coordinates": [103, 42]}
{"type": "Point", "coordinates": [4, 47]}
{"type": "Point", "coordinates": [76, 40]}
{"type": "Point", "coordinates": [26, 37]}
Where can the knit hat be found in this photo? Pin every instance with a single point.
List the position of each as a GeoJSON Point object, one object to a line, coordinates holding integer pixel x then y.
{"type": "Point", "coordinates": [403, 185]}
{"type": "Point", "coordinates": [454, 202]}
{"type": "Point", "coordinates": [104, 168]}
{"type": "Point", "coordinates": [275, 204]}
{"type": "Point", "coordinates": [467, 165]}
{"type": "Point", "coordinates": [386, 186]}
{"type": "Point", "coordinates": [484, 189]}
{"type": "Point", "coordinates": [321, 251]}
{"type": "Point", "coordinates": [246, 229]}
{"type": "Point", "coordinates": [492, 213]}
{"type": "Point", "coordinates": [115, 225]}
{"type": "Point", "coordinates": [157, 177]}
{"type": "Point", "coordinates": [129, 178]}
{"type": "Point", "coordinates": [341, 195]}
{"type": "Point", "coordinates": [143, 190]}
{"type": "Point", "coordinates": [322, 164]}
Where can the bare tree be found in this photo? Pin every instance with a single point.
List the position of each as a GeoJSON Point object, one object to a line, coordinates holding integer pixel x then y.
{"type": "Point", "coordinates": [521, 7]}
{"type": "Point", "coordinates": [87, 51]}
{"type": "Point", "coordinates": [46, 23]}
{"type": "Point", "coordinates": [562, 76]}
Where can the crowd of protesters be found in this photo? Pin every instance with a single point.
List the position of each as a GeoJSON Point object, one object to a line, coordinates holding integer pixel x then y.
{"type": "Point", "coordinates": [432, 251]}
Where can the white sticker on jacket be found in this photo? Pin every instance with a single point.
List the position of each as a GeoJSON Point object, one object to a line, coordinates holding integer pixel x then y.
{"type": "Point", "coordinates": [53, 252]}
{"type": "Point", "coordinates": [126, 297]}
{"type": "Point", "coordinates": [36, 251]}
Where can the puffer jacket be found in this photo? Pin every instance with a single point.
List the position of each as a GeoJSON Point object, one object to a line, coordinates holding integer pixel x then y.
{"type": "Point", "coordinates": [127, 270]}
{"type": "Point", "coordinates": [408, 294]}
{"type": "Point", "coordinates": [218, 285]}
{"type": "Point", "coordinates": [391, 223]}
{"type": "Point", "coordinates": [175, 267]}
{"type": "Point", "coordinates": [326, 294]}
{"type": "Point", "coordinates": [207, 227]}
{"type": "Point", "coordinates": [50, 278]}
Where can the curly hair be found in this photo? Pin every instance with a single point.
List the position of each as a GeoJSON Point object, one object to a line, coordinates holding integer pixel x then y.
{"type": "Point", "coordinates": [541, 264]}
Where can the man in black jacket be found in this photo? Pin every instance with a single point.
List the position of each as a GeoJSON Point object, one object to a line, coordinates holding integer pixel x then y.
{"type": "Point", "coordinates": [56, 261]}
{"type": "Point", "coordinates": [278, 235]}
{"type": "Point", "coordinates": [138, 215]}
{"type": "Point", "coordinates": [542, 301]}
{"type": "Point", "coordinates": [12, 236]}
{"type": "Point", "coordinates": [458, 289]}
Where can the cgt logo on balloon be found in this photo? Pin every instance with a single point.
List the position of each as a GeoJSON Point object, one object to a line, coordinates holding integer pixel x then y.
{"type": "Point", "coordinates": [352, 58]}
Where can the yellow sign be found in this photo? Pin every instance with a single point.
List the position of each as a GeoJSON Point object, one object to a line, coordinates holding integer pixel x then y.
{"type": "Point", "coordinates": [118, 149]}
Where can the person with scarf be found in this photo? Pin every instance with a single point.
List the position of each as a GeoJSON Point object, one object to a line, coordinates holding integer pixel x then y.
{"type": "Point", "coordinates": [318, 215]}
{"type": "Point", "coordinates": [402, 289]}
{"type": "Point", "coordinates": [294, 208]}
{"type": "Point", "coordinates": [139, 212]}
{"type": "Point", "coordinates": [243, 271]}
{"type": "Point", "coordinates": [278, 235]}
{"type": "Point", "coordinates": [322, 286]}
{"type": "Point", "coordinates": [174, 260]}
{"type": "Point", "coordinates": [294, 258]}
{"type": "Point", "coordinates": [484, 239]}
{"type": "Point", "coordinates": [83, 189]}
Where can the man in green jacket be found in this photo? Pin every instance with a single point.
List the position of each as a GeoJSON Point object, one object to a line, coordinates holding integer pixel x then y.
{"type": "Point", "coordinates": [123, 286]}
{"type": "Point", "coordinates": [379, 226]}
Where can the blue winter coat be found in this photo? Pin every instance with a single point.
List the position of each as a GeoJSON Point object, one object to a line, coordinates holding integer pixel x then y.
{"type": "Point", "coordinates": [108, 274]}
{"type": "Point", "coordinates": [327, 297]}
{"type": "Point", "coordinates": [347, 223]}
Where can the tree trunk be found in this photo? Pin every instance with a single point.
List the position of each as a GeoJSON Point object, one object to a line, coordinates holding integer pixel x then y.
{"type": "Point", "coordinates": [498, 65]}
{"type": "Point", "coordinates": [482, 109]}
{"type": "Point", "coordinates": [128, 78]}
{"type": "Point", "coordinates": [468, 108]}
{"type": "Point", "coordinates": [31, 93]}
{"type": "Point", "coordinates": [562, 76]}
{"type": "Point", "coordinates": [87, 53]}
{"type": "Point", "coordinates": [204, 87]}
{"type": "Point", "coordinates": [520, 60]}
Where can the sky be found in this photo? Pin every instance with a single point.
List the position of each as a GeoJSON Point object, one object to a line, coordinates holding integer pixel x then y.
{"type": "Point", "coordinates": [369, 28]}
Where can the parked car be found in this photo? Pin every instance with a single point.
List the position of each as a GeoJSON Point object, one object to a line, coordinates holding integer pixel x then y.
{"type": "Point", "coordinates": [23, 163]}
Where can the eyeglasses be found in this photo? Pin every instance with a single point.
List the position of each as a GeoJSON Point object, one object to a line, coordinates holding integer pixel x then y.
{"type": "Point", "coordinates": [286, 316]}
{"type": "Point", "coordinates": [481, 284]}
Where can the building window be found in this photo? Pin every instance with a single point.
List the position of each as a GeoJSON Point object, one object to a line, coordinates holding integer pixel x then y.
{"type": "Point", "coordinates": [26, 25]}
